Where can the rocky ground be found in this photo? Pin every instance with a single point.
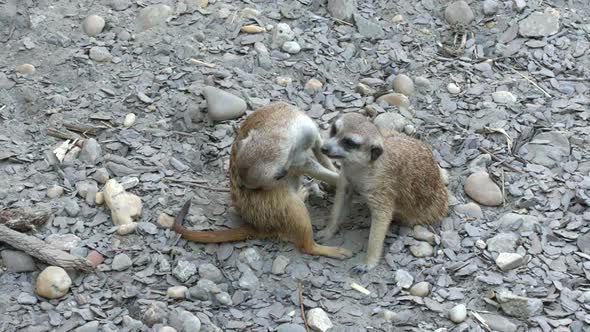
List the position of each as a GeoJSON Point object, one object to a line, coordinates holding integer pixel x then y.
{"type": "Point", "coordinates": [499, 88]}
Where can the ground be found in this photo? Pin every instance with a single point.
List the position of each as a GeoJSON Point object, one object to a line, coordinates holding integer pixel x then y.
{"type": "Point", "coordinates": [500, 92]}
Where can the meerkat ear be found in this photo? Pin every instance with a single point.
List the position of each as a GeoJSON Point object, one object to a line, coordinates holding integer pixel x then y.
{"type": "Point", "coordinates": [376, 152]}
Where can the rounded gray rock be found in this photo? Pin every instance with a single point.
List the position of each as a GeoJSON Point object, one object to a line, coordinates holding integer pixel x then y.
{"type": "Point", "coordinates": [404, 85]}
{"type": "Point", "coordinates": [152, 15]}
{"type": "Point", "coordinates": [459, 13]}
{"type": "Point", "coordinates": [184, 321]}
{"type": "Point", "coordinates": [480, 187]}
{"type": "Point", "coordinates": [223, 105]}
{"type": "Point", "coordinates": [93, 25]}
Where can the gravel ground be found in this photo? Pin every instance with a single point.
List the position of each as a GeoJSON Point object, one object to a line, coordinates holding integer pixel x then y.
{"type": "Point", "coordinates": [499, 89]}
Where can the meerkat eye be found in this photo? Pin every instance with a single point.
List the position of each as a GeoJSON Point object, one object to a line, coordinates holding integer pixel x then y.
{"type": "Point", "coordinates": [333, 131]}
{"type": "Point", "coordinates": [281, 174]}
{"type": "Point", "coordinates": [349, 144]}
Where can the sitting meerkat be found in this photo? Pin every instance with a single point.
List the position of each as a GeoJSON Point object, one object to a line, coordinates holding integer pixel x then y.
{"type": "Point", "coordinates": [396, 175]}
{"type": "Point", "coordinates": [275, 146]}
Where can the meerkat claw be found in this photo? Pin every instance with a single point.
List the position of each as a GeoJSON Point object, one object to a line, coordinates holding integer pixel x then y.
{"type": "Point", "coordinates": [362, 268]}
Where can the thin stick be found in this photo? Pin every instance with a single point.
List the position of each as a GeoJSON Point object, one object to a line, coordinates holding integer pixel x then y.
{"type": "Point", "coordinates": [302, 308]}
{"type": "Point", "coordinates": [502, 161]}
{"type": "Point", "coordinates": [199, 62]}
{"type": "Point", "coordinates": [531, 81]}
{"type": "Point", "coordinates": [342, 22]}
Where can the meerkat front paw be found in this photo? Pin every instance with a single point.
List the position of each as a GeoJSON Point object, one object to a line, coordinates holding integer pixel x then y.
{"type": "Point", "coordinates": [344, 253]}
{"type": "Point", "coordinates": [362, 268]}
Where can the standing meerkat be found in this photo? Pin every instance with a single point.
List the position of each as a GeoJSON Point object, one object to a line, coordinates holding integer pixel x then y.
{"type": "Point", "coordinates": [396, 175]}
{"type": "Point", "coordinates": [275, 146]}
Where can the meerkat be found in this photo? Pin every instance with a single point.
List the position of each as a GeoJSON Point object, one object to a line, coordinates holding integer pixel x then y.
{"type": "Point", "coordinates": [275, 146]}
{"type": "Point", "coordinates": [396, 175]}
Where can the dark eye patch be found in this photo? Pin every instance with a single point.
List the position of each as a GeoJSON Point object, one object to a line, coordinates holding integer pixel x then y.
{"type": "Point", "coordinates": [333, 130]}
{"type": "Point", "coordinates": [281, 174]}
{"type": "Point", "coordinates": [349, 144]}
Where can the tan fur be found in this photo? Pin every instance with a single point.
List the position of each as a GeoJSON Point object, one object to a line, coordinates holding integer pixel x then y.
{"type": "Point", "coordinates": [403, 183]}
{"type": "Point", "coordinates": [268, 142]}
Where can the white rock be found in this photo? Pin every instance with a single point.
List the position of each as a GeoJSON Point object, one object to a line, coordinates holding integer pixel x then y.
{"type": "Point", "coordinates": [93, 25]}
{"type": "Point", "coordinates": [283, 80]}
{"type": "Point", "coordinates": [420, 289]}
{"type": "Point", "coordinates": [130, 119]}
{"type": "Point", "coordinates": [152, 15]}
{"type": "Point", "coordinates": [390, 121]}
{"type": "Point", "coordinates": [65, 242]}
{"type": "Point", "coordinates": [403, 84]}
{"type": "Point", "coordinates": [124, 206]}
{"type": "Point", "coordinates": [483, 190]}
{"type": "Point", "coordinates": [165, 221]}
{"type": "Point", "coordinates": [509, 261]}
{"type": "Point", "coordinates": [471, 210]}
{"type": "Point", "coordinates": [177, 292]}
{"type": "Point", "coordinates": [100, 54]}
{"type": "Point", "coordinates": [458, 313]}
{"type": "Point", "coordinates": [318, 320]}
{"type": "Point", "coordinates": [291, 47]}
{"type": "Point", "coordinates": [422, 249]}
{"type": "Point", "coordinates": [223, 105]}
{"type": "Point", "coordinates": [313, 86]}
{"type": "Point", "coordinates": [123, 229]}
{"type": "Point", "coordinates": [55, 192]}
{"type": "Point", "coordinates": [167, 329]}
{"type": "Point", "coordinates": [453, 88]}
{"type": "Point", "coordinates": [403, 278]}
{"type": "Point", "coordinates": [26, 69]}
{"type": "Point", "coordinates": [503, 97]}
{"type": "Point", "coordinates": [54, 282]}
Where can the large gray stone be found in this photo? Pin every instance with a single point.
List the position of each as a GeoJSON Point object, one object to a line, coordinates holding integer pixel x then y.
{"type": "Point", "coordinates": [152, 15]}
{"type": "Point", "coordinates": [223, 105]}
{"type": "Point", "coordinates": [547, 149]}
{"type": "Point", "coordinates": [342, 9]}
{"type": "Point", "coordinates": [539, 25]}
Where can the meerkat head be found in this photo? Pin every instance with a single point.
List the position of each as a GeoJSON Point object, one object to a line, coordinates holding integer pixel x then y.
{"type": "Point", "coordinates": [354, 139]}
{"type": "Point", "coordinates": [260, 165]}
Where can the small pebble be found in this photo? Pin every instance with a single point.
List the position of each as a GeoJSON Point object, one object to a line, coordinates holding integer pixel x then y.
{"type": "Point", "coordinates": [280, 264]}
{"type": "Point", "coordinates": [291, 47]}
{"type": "Point", "coordinates": [100, 54]}
{"type": "Point", "coordinates": [167, 329]}
{"type": "Point", "coordinates": [318, 320]}
{"type": "Point", "coordinates": [126, 229]}
{"type": "Point", "coordinates": [509, 261]}
{"type": "Point", "coordinates": [480, 187]}
{"type": "Point", "coordinates": [121, 262]}
{"type": "Point", "coordinates": [54, 282]}
{"type": "Point", "coordinates": [459, 13]}
{"type": "Point", "coordinates": [420, 289]}
{"type": "Point", "coordinates": [177, 292]}
{"type": "Point", "coordinates": [26, 69]}
{"type": "Point", "coordinates": [398, 18]}
{"type": "Point", "coordinates": [210, 272]}
{"type": "Point", "coordinates": [93, 25]}
{"type": "Point", "coordinates": [129, 120]}
{"type": "Point", "coordinates": [503, 97]}
{"type": "Point", "coordinates": [453, 89]}
{"type": "Point", "coordinates": [313, 86]}
{"type": "Point", "coordinates": [395, 99]}
{"type": "Point", "coordinates": [165, 221]}
{"type": "Point", "coordinates": [55, 192]}
{"type": "Point", "coordinates": [222, 105]}
{"type": "Point", "coordinates": [458, 313]}
{"type": "Point", "coordinates": [95, 258]}
{"type": "Point", "coordinates": [283, 80]}
{"type": "Point", "coordinates": [26, 298]}
{"type": "Point", "coordinates": [403, 84]}
{"type": "Point", "coordinates": [422, 249]}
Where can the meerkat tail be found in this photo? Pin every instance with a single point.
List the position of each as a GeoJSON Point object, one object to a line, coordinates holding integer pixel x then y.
{"type": "Point", "coordinates": [227, 235]}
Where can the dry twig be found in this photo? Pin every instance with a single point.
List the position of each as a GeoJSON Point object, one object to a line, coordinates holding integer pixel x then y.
{"type": "Point", "coordinates": [302, 308]}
